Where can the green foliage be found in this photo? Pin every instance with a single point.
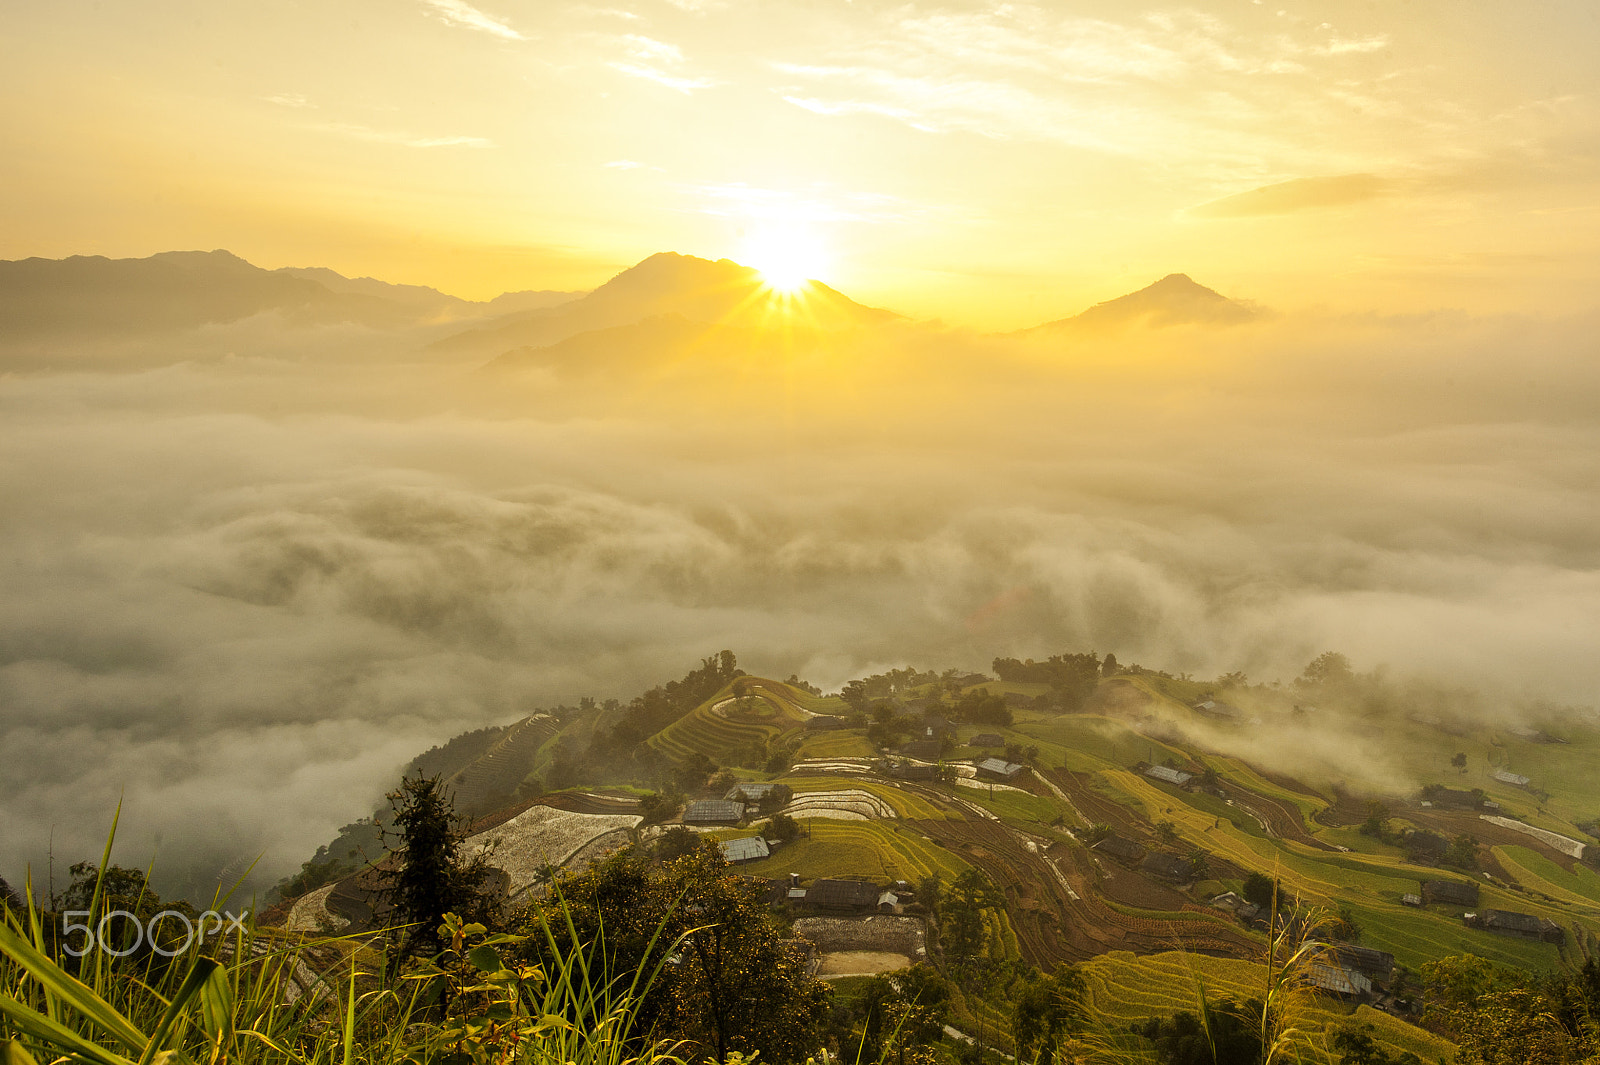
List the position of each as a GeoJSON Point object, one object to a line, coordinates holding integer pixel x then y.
{"type": "Point", "coordinates": [431, 877]}
{"type": "Point", "coordinates": [981, 708]}
{"type": "Point", "coordinates": [1262, 890]}
{"type": "Point", "coordinates": [1329, 670]}
{"type": "Point", "coordinates": [731, 986]}
{"type": "Point", "coordinates": [1227, 1033]}
{"type": "Point", "coordinates": [901, 1014]}
{"type": "Point", "coordinates": [1356, 1046]}
{"type": "Point", "coordinates": [1072, 677]}
{"type": "Point", "coordinates": [1046, 1009]}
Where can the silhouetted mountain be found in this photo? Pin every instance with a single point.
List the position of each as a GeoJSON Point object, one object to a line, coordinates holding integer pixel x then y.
{"type": "Point", "coordinates": [91, 296]}
{"type": "Point", "coordinates": [430, 302]}
{"type": "Point", "coordinates": [671, 284]}
{"type": "Point", "coordinates": [1174, 300]}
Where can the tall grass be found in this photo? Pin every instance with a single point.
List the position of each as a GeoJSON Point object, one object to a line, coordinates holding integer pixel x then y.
{"type": "Point", "coordinates": [264, 995]}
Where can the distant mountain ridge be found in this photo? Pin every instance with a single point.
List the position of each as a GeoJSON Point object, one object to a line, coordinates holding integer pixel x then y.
{"type": "Point", "coordinates": [92, 296]}
{"type": "Point", "coordinates": [720, 292]}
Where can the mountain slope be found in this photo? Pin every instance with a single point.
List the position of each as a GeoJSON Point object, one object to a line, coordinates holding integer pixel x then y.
{"type": "Point", "coordinates": [667, 283]}
{"type": "Point", "coordinates": [1174, 300]}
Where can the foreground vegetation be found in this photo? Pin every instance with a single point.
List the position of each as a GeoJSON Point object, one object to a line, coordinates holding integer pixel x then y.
{"type": "Point", "coordinates": [662, 952]}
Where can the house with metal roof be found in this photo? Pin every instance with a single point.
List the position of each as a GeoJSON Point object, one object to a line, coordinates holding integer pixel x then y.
{"type": "Point", "coordinates": [749, 849]}
{"type": "Point", "coordinates": [1510, 923]}
{"type": "Point", "coordinates": [1334, 979]}
{"type": "Point", "coordinates": [1166, 867]}
{"type": "Point", "coordinates": [1376, 965]}
{"type": "Point", "coordinates": [1123, 850]}
{"type": "Point", "coordinates": [749, 791]}
{"type": "Point", "coordinates": [713, 812]}
{"type": "Point", "coordinates": [1450, 892]}
{"type": "Point", "coordinates": [1169, 775]}
{"type": "Point", "coordinates": [1506, 776]}
{"type": "Point", "coordinates": [986, 739]}
{"type": "Point", "coordinates": [824, 723]}
{"type": "Point", "coordinates": [851, 895]}
{"type": "Point", "coordinates": [998, 768]}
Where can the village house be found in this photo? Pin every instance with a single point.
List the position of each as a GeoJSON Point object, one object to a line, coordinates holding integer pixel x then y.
{"type": "Point", "coordinates": [1168, 775]}
{"type": "Point", "coordinates": [998, 769]}
{"type": "Point", "coordinates": [1449, 893]}
{"type": "Point", "coordinates": [1123, 850]}
{"type": "Point", "coordinates": [1510, 923]}
{"type": "Point", "coordinates": [842, 895]}
{"type": "Point", "coordinates": [1167, 867]}
{"type": "Point", "coordinates": [713, 812]}
{"type": "Point", "coordinates": [750, 849]}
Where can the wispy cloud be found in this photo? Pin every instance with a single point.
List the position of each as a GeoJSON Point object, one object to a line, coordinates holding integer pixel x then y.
{"type": "Point", "coordinates": [652, 50]}
{"type": "Point", "coordinates": [648, 58]}
{"type": "Point", "coordinates": [662, 77]}
{"type": "Point", "coordinates": [1298, 195]}
{"type": "Point", "coordinates": [460, 13]}
{"type": "Point", "coordinates": [1173, 85]}
{"type": "Point", "coordinates": [623, 164]}
{"type": "Point", "coordinates": [288, 99]}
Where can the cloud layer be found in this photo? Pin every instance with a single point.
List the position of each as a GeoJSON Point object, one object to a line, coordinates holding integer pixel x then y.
{"type": "Point", "coordinates": [240, 593]}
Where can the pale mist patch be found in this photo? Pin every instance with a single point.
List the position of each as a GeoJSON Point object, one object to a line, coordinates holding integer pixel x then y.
{"type": "Point", "coordinates": [239, 593]}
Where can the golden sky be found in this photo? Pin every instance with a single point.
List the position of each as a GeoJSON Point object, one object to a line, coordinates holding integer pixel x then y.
{"type": "Point", "coordinates": [989, 164]}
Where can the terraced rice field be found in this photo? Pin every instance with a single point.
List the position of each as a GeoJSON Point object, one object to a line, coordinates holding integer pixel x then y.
{"type": "Point", "coordinates": [1057, 914]}
{"type": "Point", "coordinates": [767, 712]}
{"type": "Point", "coordinates": [542, 835]}
{"type": "Point", "coordinates": [1124, 987]}
{"type": "Point", "coordinates": [877, 849]}
{"type": "Point", "coordinates": [839, 804]}
{"type": "Point", "coordinates": [903, 801]}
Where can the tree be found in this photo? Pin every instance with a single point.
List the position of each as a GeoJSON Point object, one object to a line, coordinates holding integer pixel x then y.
{"type": "Point", "coordinates": [1227, 1033]}
{"type": "Point", "coordinates": [783, 827]}
{"type": "Point", "coordinates": [1345, 928]}
{"type": "Point", "coordinates": [733, 986]}
{"type": "Point", "coordinates": [1167, 832]}
{"type": "Point", "coordinates": [1459, 760]}
{"type": "Point", "coordinates": [962, 908]}
{"type": "Point", "coordinates": [1464, 851]}
{"type": "Point", "coordinates": [904, 1010]}
{"type": "Point", "coordinates": [1262, 890]}
{"type": "Point", "coordinates": [1357, 1047]}
{"type": "Point", "coordinates": [1329, 669]}
{"type": "Point", "coordinates": [1046, 1009]}
{"type": "Point", "coordinates": [1377, 822]}
{"type": "Point", "coordinates": [430, 876]}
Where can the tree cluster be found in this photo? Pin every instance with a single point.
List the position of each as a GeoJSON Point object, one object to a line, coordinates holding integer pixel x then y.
{"type": "Point", "coordinates": [1504, 1016]}
{"type": "Point", "coordinates": [1072, 677]}
{"type": "Point", "coordinates": [726, 981]}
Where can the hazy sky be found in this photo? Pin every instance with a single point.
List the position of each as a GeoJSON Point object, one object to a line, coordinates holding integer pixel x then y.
{"type": "Point", "coordinates": [993, 164]}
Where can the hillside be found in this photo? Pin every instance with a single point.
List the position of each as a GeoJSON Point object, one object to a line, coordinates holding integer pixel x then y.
{"type": "Point", "coordinates": [1118, 824]}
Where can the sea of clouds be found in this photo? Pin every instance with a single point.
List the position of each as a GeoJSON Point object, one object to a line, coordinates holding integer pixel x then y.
{"type": "Point", "coordinates": [239, 590]}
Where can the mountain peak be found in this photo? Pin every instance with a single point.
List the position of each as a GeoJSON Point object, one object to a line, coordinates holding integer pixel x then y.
{"type": "Point", "coordinates": [1177, 299]}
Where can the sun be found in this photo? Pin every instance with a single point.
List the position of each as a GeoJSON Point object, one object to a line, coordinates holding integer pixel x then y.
{"type": "Point", "coordinates": [787, 255]}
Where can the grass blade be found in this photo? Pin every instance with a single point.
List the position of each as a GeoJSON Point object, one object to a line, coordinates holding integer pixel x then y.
{"type": "Point", "coordinates": [71, 991]}
{"type": "Point", "coordinates": [192, 983]}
